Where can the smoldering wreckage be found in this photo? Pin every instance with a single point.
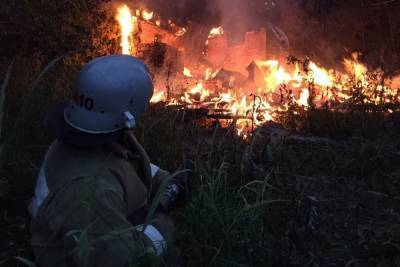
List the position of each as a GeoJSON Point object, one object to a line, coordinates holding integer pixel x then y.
{"type": "Point", "coordinates": [251, 81]}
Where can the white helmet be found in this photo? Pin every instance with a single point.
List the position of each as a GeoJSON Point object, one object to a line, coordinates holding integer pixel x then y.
{"type": "Point", "coordinates": [111, 92]}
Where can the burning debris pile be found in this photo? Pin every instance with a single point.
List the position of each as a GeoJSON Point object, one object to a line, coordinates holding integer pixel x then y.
{"type": "Point", "coordinates": [244, 82]}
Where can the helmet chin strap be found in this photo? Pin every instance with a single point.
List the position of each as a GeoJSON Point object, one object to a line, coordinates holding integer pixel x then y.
{"type": "Point", "coordinates": [129, 120]}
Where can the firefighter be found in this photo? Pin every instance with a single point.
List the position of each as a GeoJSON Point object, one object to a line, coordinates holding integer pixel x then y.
{"type": "Point", "coordinates": [96, 182]}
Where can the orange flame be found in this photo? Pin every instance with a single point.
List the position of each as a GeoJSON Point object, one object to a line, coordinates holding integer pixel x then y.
{"type": "Point", "coordinates": [147, 15]}
{"type": "Point", "coordinates": [354, 67]}
{"type": "Point", "coordinates": [128, 24]}
{"type": "Point", "coordinates": [215, 32]}
{"type": "Point", "coordinates": [181, 32]}
{"type": "Point", "coordinates": [210, 74]}
{"type": "Point", "coordinates": [273, 78]}
{"type": "Point", "coordinates": [320, 76]}
{"type": "Point", "coordinates": [303, 100]}
{"type": "Point", "coordinates": [158, 97]}
{"type": "Point", "coordinates": [187, 72]}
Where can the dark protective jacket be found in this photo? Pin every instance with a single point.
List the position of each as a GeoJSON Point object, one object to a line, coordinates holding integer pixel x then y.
{"type": "Point", "coordinates": [83, 221]}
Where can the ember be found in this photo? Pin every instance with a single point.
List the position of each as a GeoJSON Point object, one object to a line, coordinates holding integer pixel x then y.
{"type": "Point", "coordinates": [215, 32]}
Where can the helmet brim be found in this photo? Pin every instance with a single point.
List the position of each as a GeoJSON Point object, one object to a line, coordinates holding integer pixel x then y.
{"type": "Point", "coordinates": [55, 123]}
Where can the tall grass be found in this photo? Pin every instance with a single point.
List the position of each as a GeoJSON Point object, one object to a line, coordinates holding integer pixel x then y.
{"type": "Point", "coordinates": [3, 182]}
{"type": "Point", "coordinates": [24, 142]}
{"type": "Point", "coordinates": [249, 200]}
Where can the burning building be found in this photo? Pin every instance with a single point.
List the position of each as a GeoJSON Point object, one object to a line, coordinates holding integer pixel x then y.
{"type": "Point", "coordinates": [246, 80]}
{"type": "Point", "coordinates": [219, 52]}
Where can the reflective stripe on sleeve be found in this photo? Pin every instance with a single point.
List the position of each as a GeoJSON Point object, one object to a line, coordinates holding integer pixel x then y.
{"type": "Point", "coordinates": [154, 169]}
{"type": "Point", "coordinates": [159, 243]}
{"type": "Point", "coordinates": [41, 188]}
{"type": "Point", "coordinates": [41, 192]}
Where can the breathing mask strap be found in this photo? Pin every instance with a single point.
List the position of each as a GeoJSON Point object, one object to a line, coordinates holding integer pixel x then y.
{"type": "Point", "coordinates": [136, 147]}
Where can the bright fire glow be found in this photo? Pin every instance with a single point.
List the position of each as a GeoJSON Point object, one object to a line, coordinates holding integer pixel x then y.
{"type": "Point", "coordinates": [127, 24]}
{"type": "Point", "coordinates": [303, 100]}
{"type": "Point", "coordinates": [355, 68]}
{"type": "Point", "coordinates": [146, 15]}
{"type": "Point", "coordinates": [181, 32]}
{"type": "Point", "coordinates": [210, 74]}
{"type": "Point", "coordinates": [277, 86]}
{"type": "Point", "coordinates": [158, 97]}
{"type": "Point", "coordinates": [196, 94]}
{"type": "Point", "coordinates": [215, 32]}
{"type": "Point", "coordinates": [187, 72]}
{"type": "Point", "coordinates": [320, 76]}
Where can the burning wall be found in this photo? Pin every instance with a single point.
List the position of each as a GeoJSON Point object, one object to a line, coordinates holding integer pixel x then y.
{"type": "Point", "coordinates": [152, 38]}
{"type": "Point", "coordinates": [143, 36]}
{"type": "Point", "coordinates": [150, 32]}
{"type": "Point", "coordinates": [221, 54]}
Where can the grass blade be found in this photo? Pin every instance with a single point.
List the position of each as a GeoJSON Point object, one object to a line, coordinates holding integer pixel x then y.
{"type": "Point", "coordinates": [3, 94]}
{"type": "Point", "coordinates": [26, 262]}
{"type": "Point", "coordinates": [159, 195]}
{"type": "Point", "coordinates": [34, 86]}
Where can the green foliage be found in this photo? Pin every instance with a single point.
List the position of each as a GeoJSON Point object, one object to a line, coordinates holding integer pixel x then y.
{"type": "Point", "coordinates": [52, 28]}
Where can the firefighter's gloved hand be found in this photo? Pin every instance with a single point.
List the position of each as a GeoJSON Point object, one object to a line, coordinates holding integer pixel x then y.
{"type": "Point", "coordinates": [177, 188]}
{"type": "Point", "coordinates": [161, 237]}
{"type": "Point", "coordinates": [166, 227]}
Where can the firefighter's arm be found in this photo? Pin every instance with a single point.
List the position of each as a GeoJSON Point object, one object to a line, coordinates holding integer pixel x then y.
{"type": "Point", "coordinates": [175, 187]}
{"type": "Point", "coordinates": [158, 175]}
{"type": "Point", "coordinates": [112, 240]}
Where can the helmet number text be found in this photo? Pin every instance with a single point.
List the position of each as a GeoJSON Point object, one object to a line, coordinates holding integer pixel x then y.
{"type": "Point", "coordinates": [84, 101]}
